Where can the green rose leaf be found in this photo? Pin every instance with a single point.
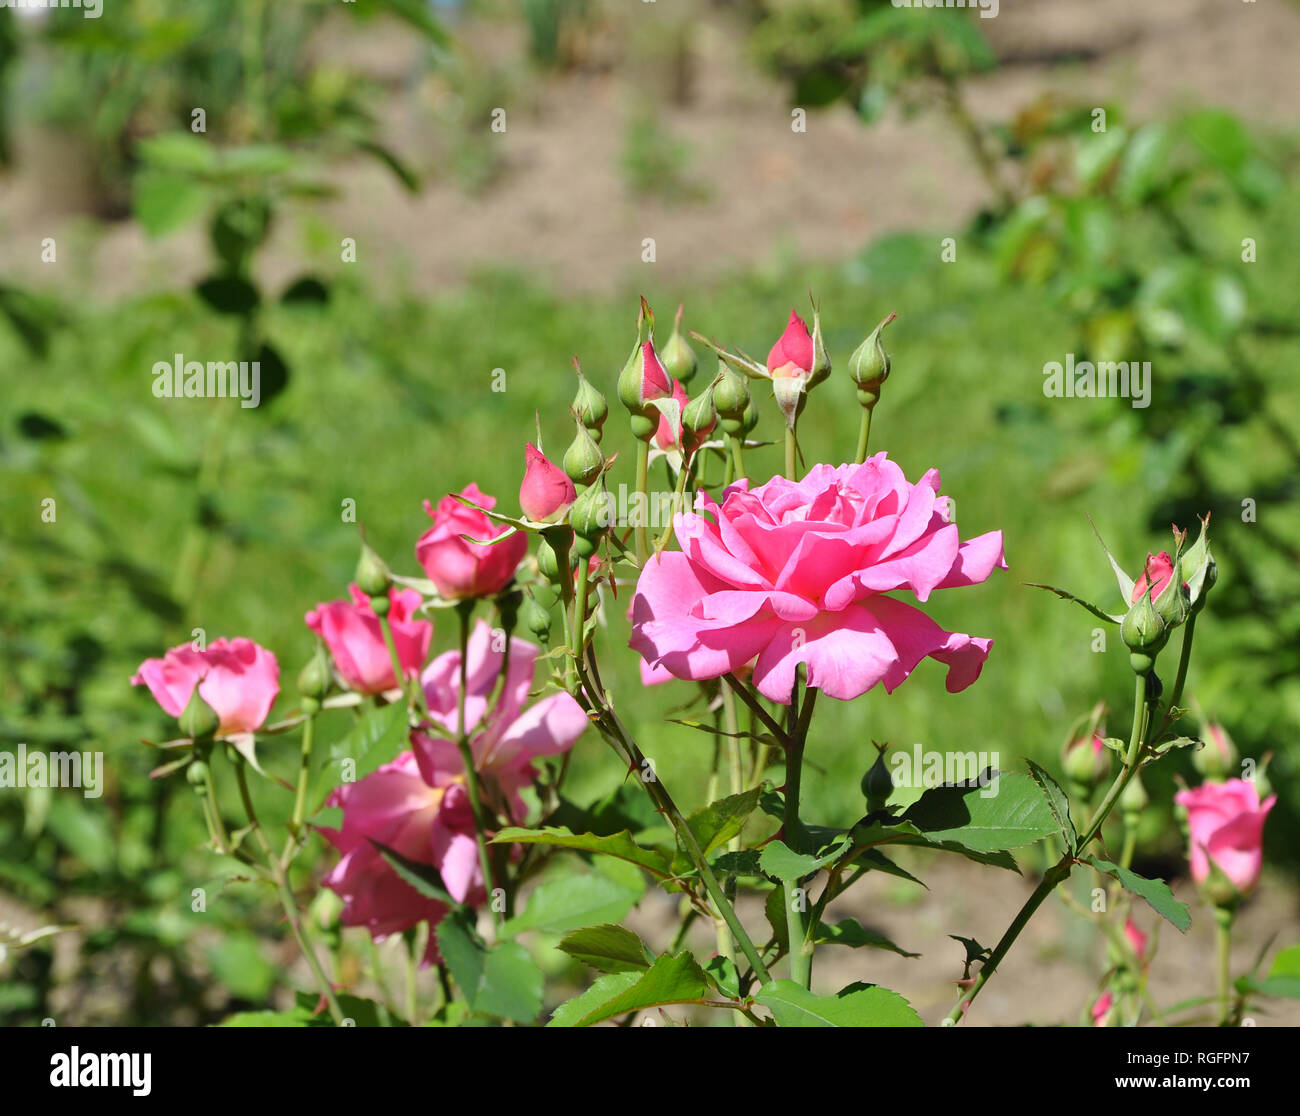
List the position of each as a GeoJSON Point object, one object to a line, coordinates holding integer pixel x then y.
{"type": "Point", "coordinates": [1156, 892]}
{"type": "Point", "coordinates": [858, 1005]}
{"type": "Point", "coordinates": [609, 947]}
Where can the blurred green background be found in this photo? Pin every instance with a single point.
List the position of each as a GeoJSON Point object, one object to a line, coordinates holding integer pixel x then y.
{"type": "Point", "coordinates": [356, 214]}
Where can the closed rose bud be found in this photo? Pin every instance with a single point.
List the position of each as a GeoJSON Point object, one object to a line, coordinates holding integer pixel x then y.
{"type": "Point", "coordinates": [1218, 758]}
{"type": "Point", "coordinates": [316, 679]}
{"type": "Point", "coordinates": [583, 459]}
{"type": "Point", "coordinates": [793, 355]}
{"type": "Point", "coordinates": [590, 515]}
{"type": "Point", "coordinates": [700, 417]}
{"type": "Point", "coordinates": [678, 357]}
{"type": "Point", "coordinates": [535, 618]}
{"type": "Point", "coordinates": [196, 774]}
{"type": "Point", "coordinates": [878, 783]}
{"type": "Point", "coordinates": [1133, 800]}
{"type": "Point", "coordinates": [458, 567]}
{"type": "Point", "coordinates": [1136, 939]}
{"type": "Point", "coordinates": [546, 492]}
{"type": "Point", "coordinates": [869, 365]}
{"type": "Point", "coordinates": [730, 392]}
{"type": "Point", "coordinates": [1144, 633]}
{"type": "Point", "coordinates": [1086, 760]}
{"type": "Point", "coordinates": [372, 576]}
{"type": "Point", "coordinates": [589, 405]}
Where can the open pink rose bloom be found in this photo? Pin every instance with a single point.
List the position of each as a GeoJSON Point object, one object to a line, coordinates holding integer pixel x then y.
{"type": "Point", "coordinates": [419, 806]}
{"type": "Point", "coordinates": [800, 571]}
{"type": "Point", "coordinates": [236, 678]}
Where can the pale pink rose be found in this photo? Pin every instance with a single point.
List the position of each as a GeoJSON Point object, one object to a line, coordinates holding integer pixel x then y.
{"type": "Point", "coordinates": [1226, 827]}
{"type": "Point", "coordinates": [236, 678]}
{"type": "Point", "coordinates": [505, 737]}
{"type": "Point", "coordinates": [546, 491]}
{"type": "Point", "coordinates": [792, 355]}
{"type": "Point", "coordinates": [422, 813]}
{"type": "Point", "coordinates": [352, 632]}
{"type": "Point", "coordinates": [460, 568]}
{"type": "Point", "coordinates": [798, 572]}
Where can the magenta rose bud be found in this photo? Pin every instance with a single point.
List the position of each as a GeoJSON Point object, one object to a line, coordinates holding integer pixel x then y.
{"type": "Point", "coordinates": [803, 572]}
{"type": "Point", "coordinates": [1101, 1009]}
{"type": "Point", "coordinates": [546, 491]}
{"type": "Point", "coordinates": [352, 632]}
{"type": "Point", "coordinates": [1225, 824]}
{"type": "Point", "coordinates": [236, 678]}
{"type": "Point", "coordinates": [460, 568]}
{"type": "Point", "coordinates": [793, 353]}
{"type": "Point", "coordinates": [1160, 568]}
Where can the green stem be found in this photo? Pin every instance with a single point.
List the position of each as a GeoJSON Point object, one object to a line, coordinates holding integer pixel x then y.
{"type": "Point", "coordinates": [791, 454]}
{"type": "Point", "coordinates": [801, 937]}
{"type": "Point", "coordinates": [463, 611]}
{"type": "Point", "coordinates": [1223, 945]}
{"type": "Point", "coordinates": [737, 442]}
{"type": "Point", "coordinates": [756, 707]}
{"type": "Point", "coordinates": [304, 775]}
{"type": "Point", "coordinates": [864, 434]}
{"type": "Point", "coordinates": [1060, 871]}
{"type": "Point", "coordinates": [641, 535]}
{"type": "Point", "coordinates": [287, 900]}
{"type": "Point", "coordinates": [617, 734]}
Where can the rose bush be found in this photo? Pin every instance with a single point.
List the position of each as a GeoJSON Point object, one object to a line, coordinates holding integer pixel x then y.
{"type": "Point", "coordinates": [446, 801]}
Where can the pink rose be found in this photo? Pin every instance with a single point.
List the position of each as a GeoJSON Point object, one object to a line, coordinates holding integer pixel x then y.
{"type": "Point", "coordinates": [457, 567]}
{"type": "Point", "coordinates": [1226, 827]}
{"type": "Point", "coordinates": [546, 491]}
{"type": "Point", "coordinates": [236, 678]}
{"type": "Point", "coordinates": [352, 632]}
{"type": "Point", "coordinates": [1160, 568]}
{"type": "Point", "coordinates": [792, 355]}
{"type": "Point", "coordinates": [422, 813]}
{"type": "Point", "coordinates": [1101, 1009]}
{"type": "Point", "coordinates": [504, 736]}
{"type": "Point", "coordinates": [797, 572]}
{"type": "Point", "coordinates": [655, 383]}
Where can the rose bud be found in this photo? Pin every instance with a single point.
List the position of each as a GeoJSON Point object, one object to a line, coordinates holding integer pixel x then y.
{"type": "Point", "coordinates": [821, 366]}
{"type": "Point", "coordinates": [1217, 758]}
{"type": "Point", "coordinates": [1101, 1010]}
{"type": "Point", "coordinates": [1168, 593]}
{"type": "Point", "coordinates": [316, 679]}
{"type": "Point", "coordinates": [869, 365]}
{"type": "Point", "coordinates": [730, 393]}
{"type": "Point", "coordinates": [699, 418]}
{"type": "Point", "coordinates": [1133, 800]}
{"type": "Point", "coordinates": [545, 493]}
{"type": "Point", "coordinates": [643, 379]}
{"type": "Point", "coordinates": [793, 354]}
{"type": "Point", "coordinates": [1086, 761]}
{"type": "Point", "coordinates": [878, 783]}
{"type": "Point", "coordinates": [590, 517]}
{"type": "Point", "coordinates": [1144, 633]}
{"type": "Point", "coordinates": [583, 459]}
{"type": "Point", "coordinates": [536, 619]}
{"type": "Point", "coordinates": [589, 405]}
{"type": "Point", "coordinates": [372, 576]}
{"type": "Point", "coordinates": [678, 357]}
{"type": "Point", "coordinates": [1136, 939]}
{"type": "Point", "coordinates": [1226, 833]}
